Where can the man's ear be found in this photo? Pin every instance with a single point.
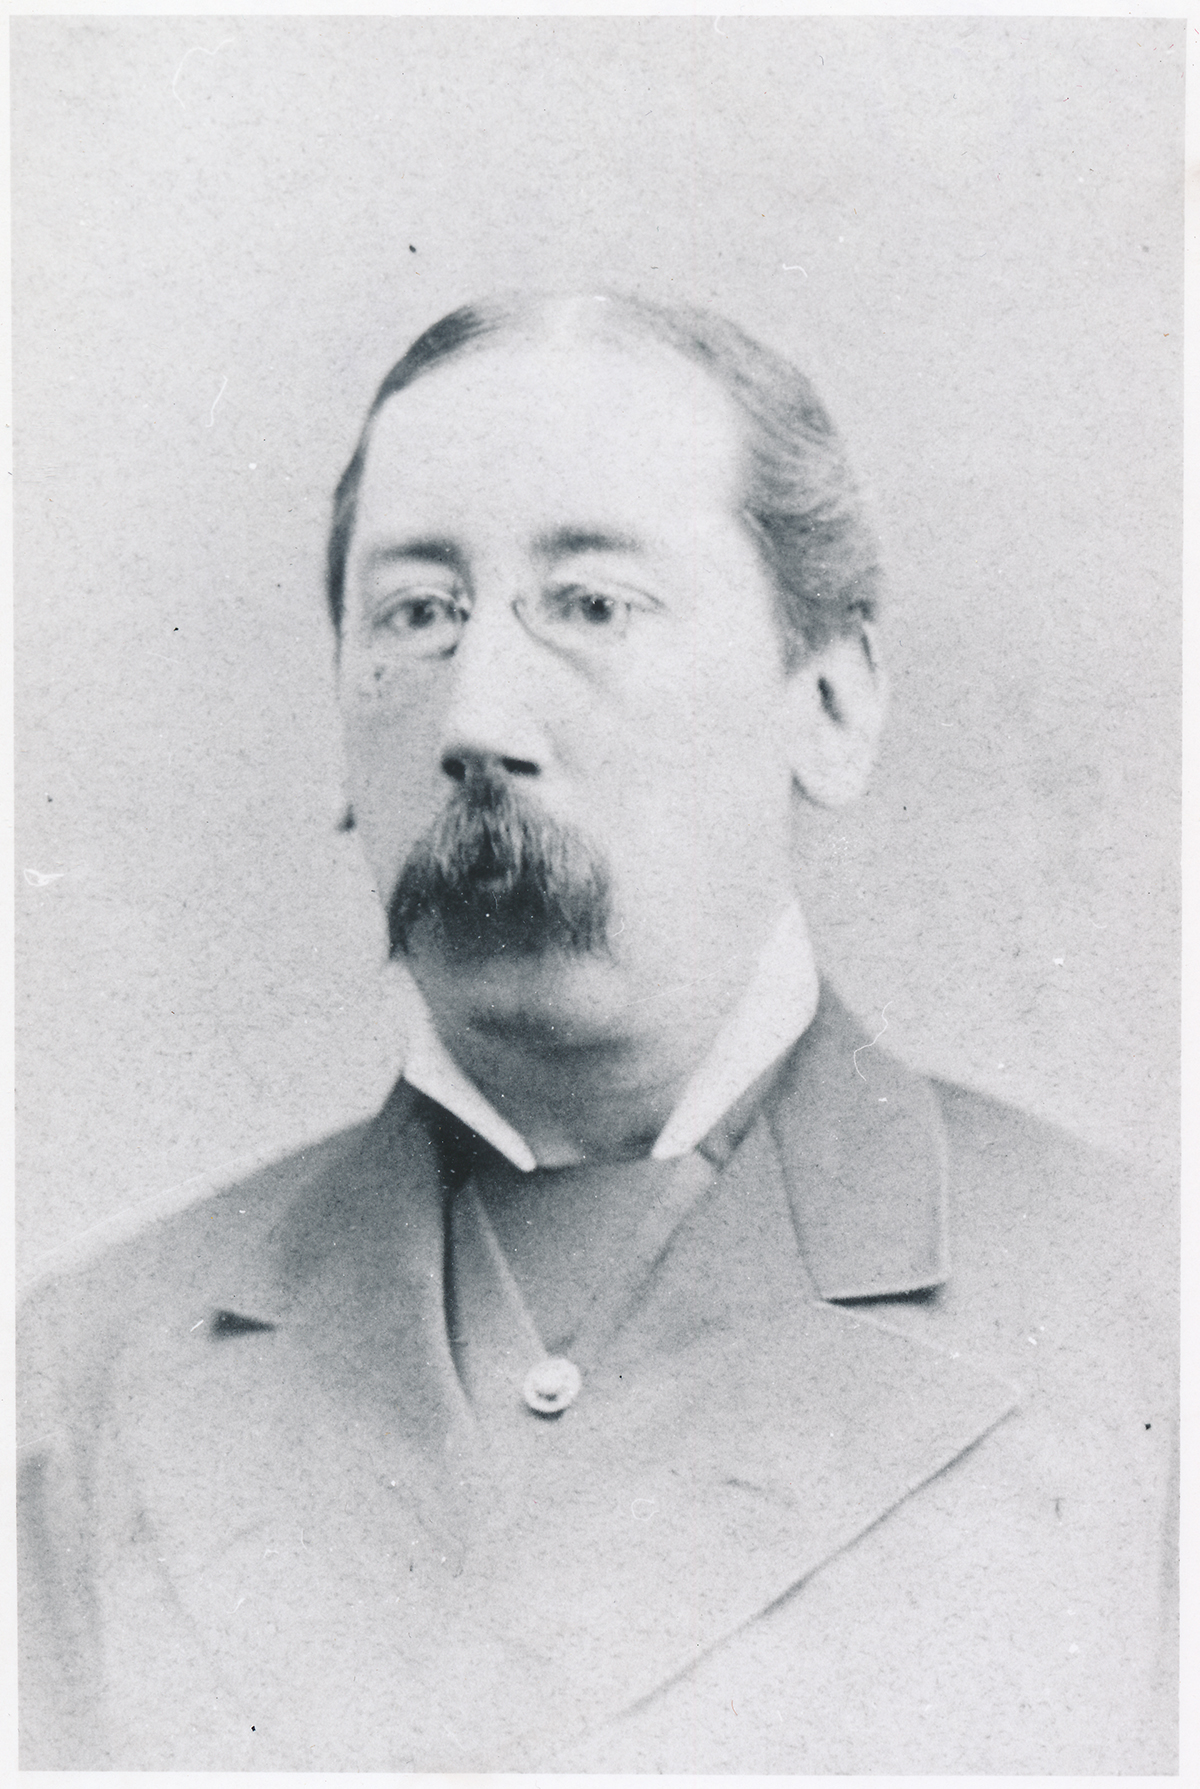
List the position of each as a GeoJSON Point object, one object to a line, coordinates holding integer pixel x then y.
{"type": "Point", "coordinates": [837, 699]}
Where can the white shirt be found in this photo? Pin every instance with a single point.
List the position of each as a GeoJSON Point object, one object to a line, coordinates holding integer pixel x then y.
{"type": "Point", "coordinates": [776, 1008]}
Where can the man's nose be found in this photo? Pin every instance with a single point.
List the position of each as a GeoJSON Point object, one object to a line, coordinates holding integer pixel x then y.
{"type": "Point", "coordinates": [463, 762]}
{"type": "Point", "coordinates": [490, 724]}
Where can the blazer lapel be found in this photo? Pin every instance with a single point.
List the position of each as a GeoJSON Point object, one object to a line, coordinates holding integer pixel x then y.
{"type": "Point", "coordinates": [362, 1270]}
{"type": "Point", "coordinates": [863, 1153]}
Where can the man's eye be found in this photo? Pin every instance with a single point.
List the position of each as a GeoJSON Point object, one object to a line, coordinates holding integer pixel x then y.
{"type": "Point", "coordinates": [598, 611]}
{"type": "Point", "coordinates": [420, 612]}
{"type": "Point", "coordinates": [587, 611]}
{"type": "Point", "coordinates": [419, 624]}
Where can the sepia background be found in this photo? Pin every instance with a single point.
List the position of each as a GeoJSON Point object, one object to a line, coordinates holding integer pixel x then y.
{"type": "Point", "coordinates": [967, 231]}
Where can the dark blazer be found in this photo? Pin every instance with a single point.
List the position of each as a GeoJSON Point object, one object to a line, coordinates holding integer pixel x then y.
{"type": "Point", "coordinates": [875, 1477]}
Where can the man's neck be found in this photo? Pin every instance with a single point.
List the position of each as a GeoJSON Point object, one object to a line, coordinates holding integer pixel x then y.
{"type": "Point", "coordinates": [584, 1067]}
{"type": "Point", "coordinates": [586, 1102]}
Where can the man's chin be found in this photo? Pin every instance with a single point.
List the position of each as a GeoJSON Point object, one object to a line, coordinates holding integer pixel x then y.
{"type": "Point", "coordinates": [574, 997]}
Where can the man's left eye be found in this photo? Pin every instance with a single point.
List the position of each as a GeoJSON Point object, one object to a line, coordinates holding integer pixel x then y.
{"type": "Point", "coordinates": [577, 610]}
{"type": "Point", "coordinates": [593, 610]}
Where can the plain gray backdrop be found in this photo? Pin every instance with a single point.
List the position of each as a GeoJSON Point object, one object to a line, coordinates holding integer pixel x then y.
{"type": "Point", "coordinates": [967, 231]}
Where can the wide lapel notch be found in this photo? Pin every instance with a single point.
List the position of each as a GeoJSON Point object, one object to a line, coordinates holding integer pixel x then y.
{"type": "Point", "coordinates": [345, 1266]}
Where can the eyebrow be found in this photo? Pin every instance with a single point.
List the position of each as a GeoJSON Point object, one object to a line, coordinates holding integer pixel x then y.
{"type": "Point", "coordinates": [561, 543]}
{"type": "Point", "coordinates": [423, 550]}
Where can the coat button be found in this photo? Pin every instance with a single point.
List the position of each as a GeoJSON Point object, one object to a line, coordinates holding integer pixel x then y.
{"type": "Point", "coordinates": [551, 1386]}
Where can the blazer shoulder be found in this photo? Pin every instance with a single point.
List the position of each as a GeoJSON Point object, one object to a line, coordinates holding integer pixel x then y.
{"type": "Point", "coordinates": [984, 1122]}
{"type": "Point", "coordinates": [82, 1296]}
{"type": "Point", "coordinates": [1061, 1223]}
{"type": "Point", "coordinates": [78, 1308]}
{"type": "Point", "coordinates": [153, 1230]}
{"type": "Point", "coordinates": [1007, 1158]}
{"type": "Point", "coordinates": [1010, 1153]}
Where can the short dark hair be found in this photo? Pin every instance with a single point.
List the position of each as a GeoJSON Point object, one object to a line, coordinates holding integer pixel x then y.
{"type": "Point", "coordinates": [802, 504]}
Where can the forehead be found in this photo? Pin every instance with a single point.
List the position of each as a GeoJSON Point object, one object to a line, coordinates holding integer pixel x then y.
{"type": "Point", "coordinates": [529, 438]}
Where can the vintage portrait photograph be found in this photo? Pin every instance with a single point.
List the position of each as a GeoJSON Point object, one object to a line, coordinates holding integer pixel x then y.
{"type": "Point", "coordinates": [597, 638]}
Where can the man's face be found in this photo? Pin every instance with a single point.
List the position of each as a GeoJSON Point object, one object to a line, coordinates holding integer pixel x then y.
{"type": "Point", "coordinates": [552, 609]}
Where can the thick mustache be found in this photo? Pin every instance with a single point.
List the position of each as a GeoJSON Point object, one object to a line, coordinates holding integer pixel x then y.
{"type": "Point", "coordinates": [495, 872]}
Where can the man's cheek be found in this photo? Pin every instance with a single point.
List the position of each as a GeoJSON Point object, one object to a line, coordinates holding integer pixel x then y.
{"type": "Point", "coordinates": [390, 815]}
{"type": "Point", "coordinates": [400, 726]}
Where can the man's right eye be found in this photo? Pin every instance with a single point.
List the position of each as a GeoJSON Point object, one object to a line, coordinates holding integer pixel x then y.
{"type": "Point", "coordinates": [417, 614]}
{"type": "Point", "coordinates": [421, 623]}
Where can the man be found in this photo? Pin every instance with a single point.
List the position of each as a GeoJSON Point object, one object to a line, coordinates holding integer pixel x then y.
{"type": "Point", "coordinates": [666, 1380]}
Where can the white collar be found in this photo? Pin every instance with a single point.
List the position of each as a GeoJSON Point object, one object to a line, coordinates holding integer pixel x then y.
{"type": "Point", "coordinates": [775, 1009]}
